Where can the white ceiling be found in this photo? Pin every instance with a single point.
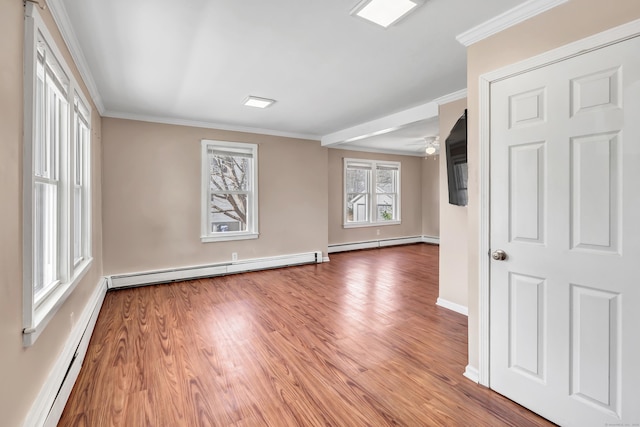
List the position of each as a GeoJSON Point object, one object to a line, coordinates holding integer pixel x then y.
{"type": "Point", "coordinates": [197, 60]}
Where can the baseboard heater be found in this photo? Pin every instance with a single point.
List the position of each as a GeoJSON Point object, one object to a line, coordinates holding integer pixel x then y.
{"type": "Point", "coordinates": [342, 247]}
{"type": "Point", "coordinates": [210, 270]}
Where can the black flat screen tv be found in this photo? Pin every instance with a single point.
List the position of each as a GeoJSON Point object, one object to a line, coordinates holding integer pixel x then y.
{"type": "Point", "coordinates": [456, 152]}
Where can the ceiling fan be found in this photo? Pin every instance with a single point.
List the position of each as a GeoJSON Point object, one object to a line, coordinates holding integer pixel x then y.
{"type": "Point", "coordinates": [430, 145]}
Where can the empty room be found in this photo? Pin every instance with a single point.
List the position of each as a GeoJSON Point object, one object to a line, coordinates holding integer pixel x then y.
{"type": "Point", "coordinates": [344, 213]}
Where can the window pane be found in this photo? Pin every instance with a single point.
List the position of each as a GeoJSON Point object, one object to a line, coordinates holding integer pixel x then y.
{"type": "Point", "coordinates": [228, 212]}
{"type": "Point", "coordinates": [230, 173]}
{"type": "Point", "coordinates": [386, 181]}
{"type": "Point", "coordinates": [77, 224]}
{"type": "Point", "coordinates": [45, 237]}
{"type": "Point", "coordinates": [39, 140]}
{"type": "Point", "coordinates": [357, 180]}
{"type": "Point", "coordinates": [385, 207]}
{"type": "Point", "coordinates": [357, 207]}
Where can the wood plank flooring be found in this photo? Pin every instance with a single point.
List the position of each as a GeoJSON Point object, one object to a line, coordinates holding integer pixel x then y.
{"type": "Point", "coordinates": [357, 341]}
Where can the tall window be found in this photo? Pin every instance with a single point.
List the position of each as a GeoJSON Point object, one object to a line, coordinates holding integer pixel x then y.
{"type": "Point", "coordinates": [56, 175]}
{"type": "Point", "coordinates": [229, 191]}
{"type": "Point", "coordinates": [372, 192]}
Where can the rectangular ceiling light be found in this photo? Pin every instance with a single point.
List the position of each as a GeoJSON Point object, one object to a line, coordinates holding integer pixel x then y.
{"type": "Point", "coordinates": [254, 101]}
{"type": "Point", "coordinates": [384, 12]}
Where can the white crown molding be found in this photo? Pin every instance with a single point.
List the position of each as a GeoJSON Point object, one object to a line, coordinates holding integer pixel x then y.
{"type": "Point", "coordinates": [454, 96]}
{"type": "Point", "coordinates": [507, 19]}
{"type": "Point", "coordinates": [208, 125]}
{"type": "Point", "coordinates": [61, 19]}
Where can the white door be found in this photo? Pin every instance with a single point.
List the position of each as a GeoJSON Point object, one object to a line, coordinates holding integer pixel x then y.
{"type": "Point", "coordinates": [565, 208]}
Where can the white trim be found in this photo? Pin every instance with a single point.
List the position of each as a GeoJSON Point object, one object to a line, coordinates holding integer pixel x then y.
{"type": "Point", "coordinates": [506, 20]}
{"type": "Point", "coordinates": [210, 270]}
{"type": "Point", "coordinates": [484, 243]}
{"type": "Point", "coordinates": [372, 193]}
{"type": "Point", "coordinates": [206, 235]}
{"type": "Point", "coordinates": [471, 373]}
{"type": "Point", "coordinates": [61, 18]}
{"type": "Point", "coordinates": [370, 224]}
{"type": "Point", "coordinates": [325, 259]}
{"type": "Point", "coordinates": [431, 240]}
{"type": "Point", "coordinates": [343, 247]}
{"type": "Point", "coordinates": [49, 307]}
{"type": "Point", "coordinates": [441, 302]}
{"type": "Point", "coordinates": [36, 317]}
{"type": "Point", "coordinates": [207, 125]}
{"type": "Point", "coordinates": [453, 96]}
{"type": "Point", "coordinates": [597, 41]}
{"type": "Point", "coordinates": [48, 405]}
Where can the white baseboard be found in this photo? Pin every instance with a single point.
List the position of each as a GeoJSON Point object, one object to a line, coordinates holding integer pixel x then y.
{"type": "Point", "coordinates": [431, 239]}
{"type": "Point", "coordinates": [325, 259]}
{"type": "Point", "coordinates": [219, 269]}
{"type": "Point", "coordinates": [49, 404]}
{"type": "Point", "coordinates": [472, 373]}
{"type": "Point", "coordinates": [452, 306]}
{"type": "Point", "coordinates": [342, 247]}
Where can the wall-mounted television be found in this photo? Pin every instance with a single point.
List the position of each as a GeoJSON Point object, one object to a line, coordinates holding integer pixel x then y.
{"type": "Point", "coordinates": [456, 152]}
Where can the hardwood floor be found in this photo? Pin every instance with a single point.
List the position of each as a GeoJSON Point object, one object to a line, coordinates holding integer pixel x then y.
{"type": "Point", "coordinates": [357, 341]}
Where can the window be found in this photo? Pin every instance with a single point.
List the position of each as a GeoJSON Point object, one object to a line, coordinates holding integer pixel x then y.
{"type": "Point", "coordinates": [229, 191]}
{"type": "Point", "coordinates": [372, 193]}
{"type": "Point", "coordinates": [56, 175]}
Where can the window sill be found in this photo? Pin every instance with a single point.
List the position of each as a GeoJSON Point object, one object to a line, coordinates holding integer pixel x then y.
{"type": "Point", "coordinates": [50, 306]}
{"type": "Point", "coordinates": [370, 224]}
{"type": "Point", "coordinates": [228, 237]}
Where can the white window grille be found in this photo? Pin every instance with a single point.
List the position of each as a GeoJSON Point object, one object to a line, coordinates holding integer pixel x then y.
{"type": "Point", "coordinates": [56, 195]}
{"type": "Point", "coordinates": [371, 192]}
{"type": "Point", "coordinates": [229, 191]}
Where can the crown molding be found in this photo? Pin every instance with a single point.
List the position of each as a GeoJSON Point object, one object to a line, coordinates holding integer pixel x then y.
{"type": "Point", "coordinates": [208, 125]}
{"type": "Point", "coordinates": [507, 19]}
{"type": "Point", "coordinates": [454, 96]}
{"type": "Point", "coordinates": [61, 18]}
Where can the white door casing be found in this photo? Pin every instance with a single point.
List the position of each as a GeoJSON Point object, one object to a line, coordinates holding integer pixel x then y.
{"type": "Point", "coordinates": [565, 207]}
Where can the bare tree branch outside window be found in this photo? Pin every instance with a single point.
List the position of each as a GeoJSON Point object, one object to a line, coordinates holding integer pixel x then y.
{"type": "Point", "coordinates": [229, 183]}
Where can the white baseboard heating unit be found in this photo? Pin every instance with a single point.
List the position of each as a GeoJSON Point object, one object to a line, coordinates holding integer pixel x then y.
{"type": "Point", "coordinates": [217, 269]}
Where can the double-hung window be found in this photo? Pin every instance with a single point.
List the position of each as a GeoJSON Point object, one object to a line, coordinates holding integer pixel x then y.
{"type": "Point", "coordinates": [229, 191]}
{"type": "Point", "coordinates": [371, 192]}
{"type": "Point", "coordinates": [56, 195]}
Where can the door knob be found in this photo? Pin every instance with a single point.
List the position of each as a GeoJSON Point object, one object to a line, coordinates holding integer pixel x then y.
{"type": "Point", "coordinates": [499, 255]}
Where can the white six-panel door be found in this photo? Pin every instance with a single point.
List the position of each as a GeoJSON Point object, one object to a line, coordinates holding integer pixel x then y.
{"type": "Point", "coordinates": [565, 208]}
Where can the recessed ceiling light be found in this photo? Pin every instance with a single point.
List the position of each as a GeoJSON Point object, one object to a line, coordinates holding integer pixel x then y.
{"type": "Point", "coordinates": [254, 101]}
{"type": "Point", "coordinates": [384, 12]}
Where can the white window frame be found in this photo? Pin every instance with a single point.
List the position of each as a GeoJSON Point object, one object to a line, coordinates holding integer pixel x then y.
{"type": "Point", "coordinates": [39, 309]}
{"type": "Point", "coordinates": [251, 232]}
{"type": "Point", "coordinates": [371, 194]}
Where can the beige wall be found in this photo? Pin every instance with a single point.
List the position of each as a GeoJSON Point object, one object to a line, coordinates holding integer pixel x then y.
{"type": "Point", "coordinates": [23, 371]}
{"type": "Point", "coordinates": [569, 22]}
{"type": "Point", "coordinates": [453, 221]}
{"type": "Point", "coordinates": [410, 199]}
{"type": "Point", "coordinates": [151, 197]}
{"type": "Point", "coordinates": [431, 196]}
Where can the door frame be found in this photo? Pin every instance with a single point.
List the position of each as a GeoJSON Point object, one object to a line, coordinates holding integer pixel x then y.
{"type": "Point", "coordinates": [597, 41]}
